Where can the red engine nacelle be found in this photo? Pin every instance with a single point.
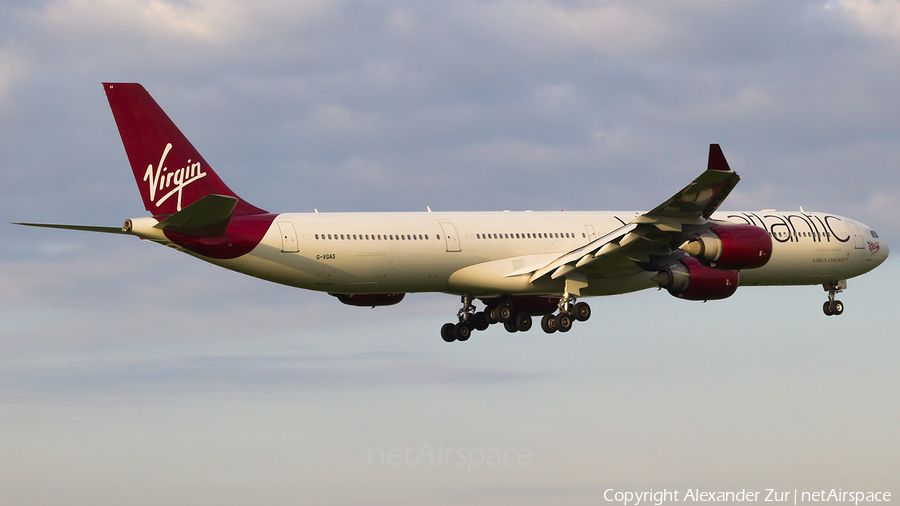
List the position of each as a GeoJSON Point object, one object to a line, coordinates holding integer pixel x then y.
{"type": "Point", "coordinates": [369, 299]}
{"type": "Point", "coordinates": [731, 247]}
{"type": "Point", "coordinates": [690, 280]}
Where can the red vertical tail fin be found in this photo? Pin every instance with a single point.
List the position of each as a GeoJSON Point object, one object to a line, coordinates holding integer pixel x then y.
{"type": "Point", "coordinates": [170, 173]}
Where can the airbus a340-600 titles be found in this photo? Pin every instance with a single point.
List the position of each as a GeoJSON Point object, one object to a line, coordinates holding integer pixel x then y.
{"type": "Point", "coordinates": [518, 264]}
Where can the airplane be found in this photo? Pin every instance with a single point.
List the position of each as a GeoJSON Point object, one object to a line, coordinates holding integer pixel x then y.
{"type": "Point", "coordinates": [518, 264]}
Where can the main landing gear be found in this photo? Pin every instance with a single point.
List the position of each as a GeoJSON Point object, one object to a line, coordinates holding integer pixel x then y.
{"type": "Point", "coordinates": [504, 311]}
{"type": "Point", "coordinates": [833, 307]}
{"type": "Point", "coordinates": [568, 314]}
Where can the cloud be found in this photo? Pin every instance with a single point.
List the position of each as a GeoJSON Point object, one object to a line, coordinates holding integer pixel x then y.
{"type": "Point", "coordinates": [196, 21]}
{"type": "Point", "coordinates": [174, 377]}
{"type": "Point", "coordinates": [878, 18]}
{"type": "Point", "coordinates": [12, 68]}
{"type": "Point", "coordinates": [549, 28]}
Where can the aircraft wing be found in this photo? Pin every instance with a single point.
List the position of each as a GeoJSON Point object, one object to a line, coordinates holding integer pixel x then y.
{"type": "Point", "coordinates": [653, 233]}
{"type": "Point", "coordinates": [702, 197]}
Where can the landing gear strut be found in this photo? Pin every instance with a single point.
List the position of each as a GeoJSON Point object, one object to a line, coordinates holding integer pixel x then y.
{"type": "Point", "coordinates": [833, 307]}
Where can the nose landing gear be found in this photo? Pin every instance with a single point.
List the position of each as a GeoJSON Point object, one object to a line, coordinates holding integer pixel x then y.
{"type": "Point", "coordinates": [833, 307]}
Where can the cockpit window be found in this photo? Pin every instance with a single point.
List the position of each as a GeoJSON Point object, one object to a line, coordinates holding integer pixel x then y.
{"type": "Point", "coordinates": [873, 234]}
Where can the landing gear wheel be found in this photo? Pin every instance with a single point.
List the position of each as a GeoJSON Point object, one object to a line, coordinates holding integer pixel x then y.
{"type": "Point", "coordinates": [490, 315]}
{"type": "Point", "coordinates": [504, 313]}
{"type": "Point", "coordinates": [826, 308]}
{"type": "Point", "coordinates": [582, 311]}
{"type": "Point", "coordinates": [837, 307]}
{"type": "Point", "coordinates": [548, 323]}
{"type": "Point", "coordinates": [447, 332]}
{"type": "Point", "coordinates": [461, 331]}
{"type": "Point", "coordinates": [480, 321]}
{"type": "Point", "coordinates": [563, 322]}
{"type": "Point", "coordinates": [523, 322]}
{"type": "Point", "coordinates": [510, 327]}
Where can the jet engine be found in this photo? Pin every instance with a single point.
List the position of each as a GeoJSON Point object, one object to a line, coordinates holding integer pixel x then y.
{"type": "Point", "coordinates": [369, 299]}
{"type": "Point", "coordinates": [731, 247]}
{"type": "Point", "coordinates": [690, 280]}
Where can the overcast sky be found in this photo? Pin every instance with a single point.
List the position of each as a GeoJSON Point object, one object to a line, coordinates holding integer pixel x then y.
{"type": "Point", "coordinates": [130, 373]}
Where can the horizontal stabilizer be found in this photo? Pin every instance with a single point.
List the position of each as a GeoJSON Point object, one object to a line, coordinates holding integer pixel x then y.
{"type": "Point", "coordinates": [83, 228]}
{"type": "Point", "coordinates": [207, 217]}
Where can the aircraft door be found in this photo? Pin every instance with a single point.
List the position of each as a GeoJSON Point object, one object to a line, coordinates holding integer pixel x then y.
{"type": "Point", "coordinates": [451, 236]}
{"type": "Point", "coordinates": [288, 237]}
{"type": "Point", "coordinates": [857, 237]}
{"type": "Point", "coordinates": [591, 235]}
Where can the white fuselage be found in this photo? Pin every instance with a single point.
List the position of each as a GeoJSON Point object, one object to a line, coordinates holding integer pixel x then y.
{"type": "Point", "coordinates": [480, 253]}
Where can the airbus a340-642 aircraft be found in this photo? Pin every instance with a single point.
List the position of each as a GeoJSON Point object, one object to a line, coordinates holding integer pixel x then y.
{"type": "Point", "coordinates": [518, 264]}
